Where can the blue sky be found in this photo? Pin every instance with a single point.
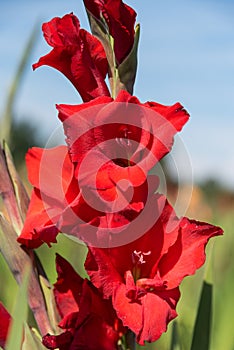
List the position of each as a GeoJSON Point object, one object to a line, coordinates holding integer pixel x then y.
{"type": "Point", "coordinates": [186, 54]}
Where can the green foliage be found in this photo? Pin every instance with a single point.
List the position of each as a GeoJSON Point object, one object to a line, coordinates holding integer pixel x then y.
{"type": "Point", "coordinates": [202, 328]}
{"type": "Point", "coordinates": [23, 135]}
{"type": "Point", "coordinates": [19, 315]}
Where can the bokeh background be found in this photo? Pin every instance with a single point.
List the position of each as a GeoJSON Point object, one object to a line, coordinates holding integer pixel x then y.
{"type": "Point", "coordinates": [186, 54]}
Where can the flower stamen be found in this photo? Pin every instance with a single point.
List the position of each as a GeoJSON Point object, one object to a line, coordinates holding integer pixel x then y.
{"type": "Point", "coordinates": [140, 256]}
{"type": "Point", "coordinates": [124, 140]}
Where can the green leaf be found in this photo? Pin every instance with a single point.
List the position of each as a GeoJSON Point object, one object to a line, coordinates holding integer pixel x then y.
{"type": "Point", "coordinates": [51, 305]}
{"type": "Point", "coordinates": [8, 194]}
{"type": "Point", "coordinates": [20, 192]}
{"type": "Point", "coordinates": [19, 315]}
{"type": "Point", "coordinates": [31, 340]}
{"type": "Point", "coordinates": [175, 343]}
{"type": "Point", "coordinates": [202, 329]}
{"type": "Point", "coordinates": [14, 255]}
{"type": "Point", "coordinates": [203, 323]}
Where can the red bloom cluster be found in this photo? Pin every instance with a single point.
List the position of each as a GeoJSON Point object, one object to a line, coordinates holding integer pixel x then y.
{"type": "Point", "coordinates": [99, 189]}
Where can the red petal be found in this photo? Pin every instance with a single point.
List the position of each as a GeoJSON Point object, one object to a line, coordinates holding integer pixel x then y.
{"type": "Point", "coordinates": [129, 312]}
{"type": "Point", "coordinates": [77, 54]}
{"type": "Point", "coordinates": [94, 6]}
{"type": "Point", "coordinates": [101, 271]}
{"type": "Point", "coordinates": [67, 289]}
{"type": "Point", "coordinates": [78, 125]}
{"type": "Point", "coordinates": [165, 122]}
{"type": "Point", "coordinates": [40, 224]}
{"type": "Point", "coordinates": [61, 341]}
{"type": "Point", "coordinates": [157, 313]}
{"type": "Point", "coordinates": [95, 334]}
{"type": "Point", "coordinates": [149, 316]}
{"type": "Point", "coordinates": [188, 253]}
{"type": "Point", "coordinates": [50, 170]}
{"type": "Point", "coordinates": [175, 114]}
{"type": "Point", "coordinates": [61, 32]}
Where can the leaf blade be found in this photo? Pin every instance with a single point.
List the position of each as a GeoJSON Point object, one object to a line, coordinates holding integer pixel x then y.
{"type": "Point", "coordinates": [19, 316]}
{"type": "Point", "coordinates": [202, 329]}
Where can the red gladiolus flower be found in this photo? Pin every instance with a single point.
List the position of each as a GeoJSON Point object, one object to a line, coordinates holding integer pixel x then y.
{"type": "Point", "coordinates": [120, 19]}
{"type": "Point", "coordinates": [143, 277]}
{"type": "Point", "coordinates": [89, 321]}
{"type": "Point", "coordinates": [5, 320]}
{"type": "Point", "coordinates": [116, 142]}
{"type": "Point", "coordinates": [77, 54]}
{"type": "Point", "coordinates": [56, 202]}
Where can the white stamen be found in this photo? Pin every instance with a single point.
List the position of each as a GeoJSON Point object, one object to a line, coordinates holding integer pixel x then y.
{"type": "Point", "coordinates": [140, 255]}
{"type": "Point", "coordinates": [124, 141]}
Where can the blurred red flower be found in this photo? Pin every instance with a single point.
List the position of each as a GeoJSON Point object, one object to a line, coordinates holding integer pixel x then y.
{"type": "Point", "coordinates": [77, 54]}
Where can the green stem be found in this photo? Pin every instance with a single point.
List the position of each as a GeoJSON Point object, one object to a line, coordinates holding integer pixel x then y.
{"type": "Point", "coordinates": [114, 70]}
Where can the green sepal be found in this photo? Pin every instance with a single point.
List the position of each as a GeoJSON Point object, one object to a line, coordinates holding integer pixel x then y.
{"type": "Point", "coordinates": [99, 28]}
{"type": "Point", "coordinates": [122, 76]}
{"type": "Point", "coordinates": [128, 68]}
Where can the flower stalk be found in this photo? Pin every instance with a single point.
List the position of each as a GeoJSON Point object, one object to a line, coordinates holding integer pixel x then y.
{"type": "Point", "coordinates": [15, 201]}
{"type": "Point", "coordinates": [8, 194]}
